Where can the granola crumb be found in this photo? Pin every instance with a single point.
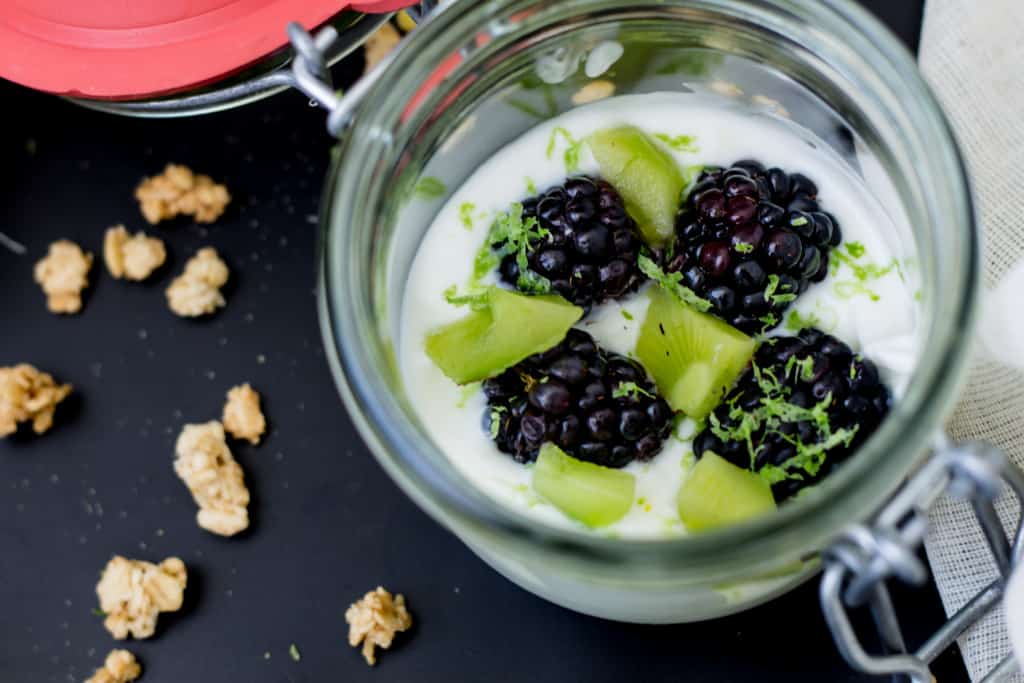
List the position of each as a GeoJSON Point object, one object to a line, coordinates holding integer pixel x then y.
{"type": "Point", "coordinates": [204, 462]}
{"type": "Point", "coordinates": [379, 44]}
{"type": "Point", "coordinates": [132, 593]}
{"type": "Point", "coordinates": [28, 394]}
{"type": "Point", "coordinates": [196, 291]}
{"type": "Point", "coordinates": [243, 418]}
{"type": "Point", "coordinates": [594, 91]}
{"type": "Point", "coordinates": [770, 104]}
{"type": "Point", "coordinates": [374, 621]}
{"type": "Point", "coordinates": [180, 191]}
{"type": "Point", "coordinates": [120, 667]}
{"type": "Point", "coordinates": [726, 88]}
{"type": "Point", "coordinates": [132, 257]}
{"type": "Point", "coordinates": [63, 274]}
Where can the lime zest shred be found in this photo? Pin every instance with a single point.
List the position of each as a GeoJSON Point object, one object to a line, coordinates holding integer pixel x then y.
{"type": "Point", "coordinates": [804, 365]}
{"type": "Point", "coordinates": [672, 283]}
{"type": "Point", "coordinates": [680, 143]}
{"type": "Point", "coordinates": [429, 187]}
{"type": "Point", "coordinates": [630, 389]}
{"type": "Point", "coordinates": [466, 210]}
{"type": "Point", "coordinates": [510, 234]}
{"type": "Point", "coordinates": [848, 289]}
{"type": "Point", "coordinates": [626, 314]}
{"type": "Point", "coordinates": [529, 281]}
{"type": "Point", "coordinates": [474, 297]}
{"type": "Point", "coordinates": [863, 273]}
{"type": "Point", "coordinates": [796, 322]}
{"type": "Point", "coordinates": [495, 426]}
{"type": "Point", "coordinates": [773, 411]}
{"type": "Point", "coordinates": [744, 247]}
{"type": "Point", "coordinates": [531, 187]}
{"type": "Point", "coordinates": [484, 262]}
{"type": "Point", "coordinates": [771, 296]}
{"type": "Point", "coordinates": [293, 652]}
{"type": "Point", "coordinates": [571, 156]}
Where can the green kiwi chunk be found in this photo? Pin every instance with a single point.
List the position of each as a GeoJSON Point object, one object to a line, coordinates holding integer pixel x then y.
{"type": "Point", "coordinates": [717, 493]}
{"type": "Point", "coordinates": [509, 327]}
{"type": "Point", "coordinates": [646, 176]}
{"type": "Point", "coordinates": [693, 357]}
{"type": "Point", "coordinates": [594, 495]}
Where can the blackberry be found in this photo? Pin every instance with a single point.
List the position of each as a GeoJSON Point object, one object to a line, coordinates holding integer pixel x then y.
{"type": "Point", "coordinates": [749, 240]}
{"type": "Point", "coordinates": [806, 403]}
{"type": "Point", "coordinates": [596, 405]}
{"type": "Point", "coordinates": [589, 253]}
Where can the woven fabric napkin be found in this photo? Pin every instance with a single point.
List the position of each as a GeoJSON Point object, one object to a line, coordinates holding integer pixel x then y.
{"type": "Point", "coordinates": [972, 54]}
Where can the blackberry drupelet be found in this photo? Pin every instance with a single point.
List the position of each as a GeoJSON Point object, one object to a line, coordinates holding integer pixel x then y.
{"type": "Point", "coordinates": [803, 407]}
{"type": "Point", "coordinates": [596, 405]}
{"type": "Point", "coordinates": [749, 240]}
{"type": "Point", "coordinates": [590, 251]}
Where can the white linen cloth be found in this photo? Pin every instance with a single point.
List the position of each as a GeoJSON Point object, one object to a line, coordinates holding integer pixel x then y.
{"type": "Point", "coordinates": [972, 54]}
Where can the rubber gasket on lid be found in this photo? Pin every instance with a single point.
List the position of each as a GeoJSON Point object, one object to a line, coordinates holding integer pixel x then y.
{"type": "Point", "coordinates": [131, 49]}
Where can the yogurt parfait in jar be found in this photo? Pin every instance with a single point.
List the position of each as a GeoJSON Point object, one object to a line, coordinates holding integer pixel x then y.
{"type": "Point", "coordinates": [656, 315]}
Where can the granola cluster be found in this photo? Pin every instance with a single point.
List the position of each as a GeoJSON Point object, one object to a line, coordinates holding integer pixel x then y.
{"type": "Point", "coordinates": [196, 291]}
{"type": "Point", "coordinates": [374, 621]}
{"type": "Point", "coordinates": [180, 191]}
{"type": "Point", "coordinates": [63, 273]}
{"type": "Point", "coordinates": [243, 418]}
{"type": "Point", "coordinates": [28, 394]}
{"type": "Point", "coordinates": [593, 91]}
{"type": "Point", "coordinates": [132, 257]}
{"type": "Point", "coordinates": [132, 593]}
{"type": "Point", "coordinates": [119, 667]}
{"type": "Point", "coordinates": [204, 462]}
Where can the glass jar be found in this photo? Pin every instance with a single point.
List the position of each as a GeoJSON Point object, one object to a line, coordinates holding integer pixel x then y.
{"type": "Point", "coordinates": [467, 82]}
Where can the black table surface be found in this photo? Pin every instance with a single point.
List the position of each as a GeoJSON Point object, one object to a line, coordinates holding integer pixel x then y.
{"type": "Point", "coordinates": [327, 523]}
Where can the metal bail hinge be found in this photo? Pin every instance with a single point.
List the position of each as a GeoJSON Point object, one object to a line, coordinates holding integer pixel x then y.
{"type": "Point", "coordinates": [858, 565]}
{"type": "Point", "coordinates": [311, 71]}
{"type": "Point", "coordinates": [313, 77]}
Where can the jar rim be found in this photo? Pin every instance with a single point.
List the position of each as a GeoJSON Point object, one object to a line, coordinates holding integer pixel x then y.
{"type": "Point", "coordinates": [857, 488]}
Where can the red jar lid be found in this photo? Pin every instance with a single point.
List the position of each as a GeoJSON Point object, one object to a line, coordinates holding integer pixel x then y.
{"type": "Point", "coordinates": [130, 49]}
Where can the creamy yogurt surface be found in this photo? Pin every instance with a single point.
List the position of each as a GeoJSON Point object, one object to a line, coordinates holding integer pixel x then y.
{"type": "Point", "coordinates": [872, 309]}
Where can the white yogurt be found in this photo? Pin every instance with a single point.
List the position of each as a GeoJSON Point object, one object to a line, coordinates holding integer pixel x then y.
{"type": "Point", "coordinates": [877, 318]}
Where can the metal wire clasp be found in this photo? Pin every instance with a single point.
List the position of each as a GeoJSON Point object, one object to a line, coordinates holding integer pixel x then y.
{"type": "Point", "coordinates": [314, 79]}
{"type": "Point", "coordinates": [312, 75]}
{"type": "Point", "coordinates": [860, 562]}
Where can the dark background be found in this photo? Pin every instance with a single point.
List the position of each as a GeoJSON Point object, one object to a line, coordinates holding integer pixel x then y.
{"type": "Point", "coordinates": [327, 523]}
